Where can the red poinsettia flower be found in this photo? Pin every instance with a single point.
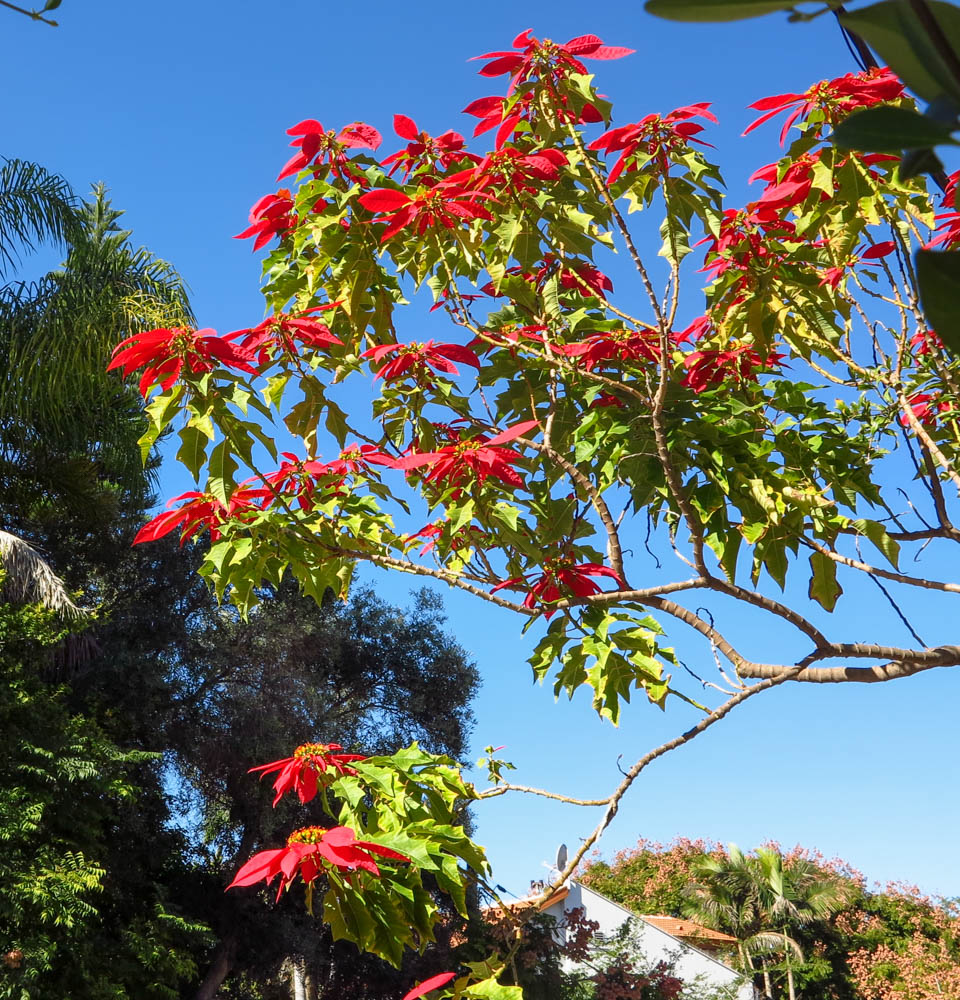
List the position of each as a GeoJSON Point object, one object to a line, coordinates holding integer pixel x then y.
{"type": "Point", "coordinates": [480, 457]}
{"type": "Point", "coordinates": [513, 169]}
{"type": "Point", "coordinates": [278, 334]}
{"type": "Point", "coordinates": [202, 510]}
{"type": "Point", "coordinates": [834, 275]}
{"type": "Point", "coordinates": [356, 458]}
{"type": "Point", "coordinates": [535, 57]}
{"type": "Point", "coordinates": [926, 408]}
{"type": "Point", "coordinates": [271, 216]}
{"type": "Point", "coordinates": [299, 772]}
{"type": "Point", "coordinates": [309, 852]}
{"type": "Point", "coordinates": [835, 98]}
{"type": "Point", "coordinates": [433, 983]}
{"type": "Point", "coordinates": [300, 479]}
{"type": "Point", "coordinates": [464, 538]}
{"type": "Point", "coordinates": [424, 150]}
{"type": "Point", "coordinates": [603, 349]}
{"type": "Point", "coordinates": [655, 135]}
{"type": "Point", "coordinates": [560, 578]}
{"type": "Point", "coordinates": [164, 353]}
{"type": "Point", "coordinates": [508, 336]}
{"type": "Point", "coordinates": [417, 357]}
{"type": "Point", "coordinates": [312, 139]}
{"type": "Point", "coordinates": [749, 243]}
{"type": "Point", "coordinates": [925, 342]}
{"type": "Point", "coordinates": [712, 367]}
{"type": "Point", "coordinates": [448, 206]}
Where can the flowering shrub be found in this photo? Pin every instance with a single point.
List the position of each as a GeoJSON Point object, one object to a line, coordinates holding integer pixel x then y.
{"type": "Point", "coordinates": [556, 427]}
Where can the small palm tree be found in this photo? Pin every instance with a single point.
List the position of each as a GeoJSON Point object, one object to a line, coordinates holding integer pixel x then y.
{"type": "Point", "coordinates": [732, 895]}
{"type": "Point", "coordinates": [800, 893]}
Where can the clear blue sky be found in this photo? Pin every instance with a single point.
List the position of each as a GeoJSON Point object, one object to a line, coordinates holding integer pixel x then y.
{"type": "Point", "coordinates": [181, 108]}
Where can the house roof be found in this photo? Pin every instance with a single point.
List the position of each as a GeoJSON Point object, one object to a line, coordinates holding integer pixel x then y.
{"type": "Point", "coordinates": [688, 929]}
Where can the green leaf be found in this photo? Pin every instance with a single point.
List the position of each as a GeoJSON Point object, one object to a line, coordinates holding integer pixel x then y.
{"type": "Point", "coordinates": [824, 588]}
{"type": "Point", "coordinates": [490, 989]}
{"type": "Point", "coordinates": [223, 466]}
{"type": "Point", "coordinates": [193, 449]}
{"type": "Point", "coordinates": [712, 10]}
{"type": "Point", "coordinates": [901, 41]}
{"type": "Point", "coordinates": [877, 534]}
{"type": "Point", "coordinates": [938, 277]}
{"type": "Point", "coordinates": [889, 130]}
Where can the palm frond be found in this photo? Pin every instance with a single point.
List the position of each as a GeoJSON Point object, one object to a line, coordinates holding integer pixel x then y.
{"type": "Point", "coordinates": [29, 579]}
{"type": "Point", "coordinates": [36, 206]}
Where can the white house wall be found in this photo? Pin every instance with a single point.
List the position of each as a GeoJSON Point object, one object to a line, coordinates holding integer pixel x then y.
{"type": "Point", "coordinates": [656, 944]}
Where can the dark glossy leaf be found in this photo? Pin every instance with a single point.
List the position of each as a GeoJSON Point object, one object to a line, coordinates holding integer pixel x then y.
{"type": "Point", "coordinates": [901, 41]}
{"type": "Point", "coordinates": [889, 130]}
{"type": "Point", "coordinates": [712, 10]}
{"type": "Point", "coordinates": [938, 275]}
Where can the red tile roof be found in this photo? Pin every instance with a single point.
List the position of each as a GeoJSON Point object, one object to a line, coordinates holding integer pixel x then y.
{"type": "Point", "coordinates": [688, 929]}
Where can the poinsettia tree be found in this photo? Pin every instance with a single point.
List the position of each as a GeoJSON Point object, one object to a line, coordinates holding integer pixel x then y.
{"type": "Point", "coordinates": [749, 399]}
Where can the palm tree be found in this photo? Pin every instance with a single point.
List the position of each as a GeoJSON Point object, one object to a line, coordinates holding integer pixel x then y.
{"type": "Point", "coordinates": [732, 895]}
{"type": "Point", "coordinates": [69, 431]}
{"type": "Point", "coordinates": [800, 893]}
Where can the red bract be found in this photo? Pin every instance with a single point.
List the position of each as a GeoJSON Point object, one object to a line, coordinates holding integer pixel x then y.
{"type": "Point", "coordinates": [313, 139]}
{"type": "Point", "coordinates": [834, 275]}
{"type": "Point", "coordinates": [417, 357]}
{"type": "Point", "coordinates": [655, 135]}
{"type": "Point", "coordinates": [603, 349]}
{"type": "Point", "coordinates": [306, 851]}
{"type": "Point", "coordinates": [271, 216]}
{"type": "Point", "coordinates": [433, 983]}
{"type": "Point", "coordinates": [546, 59]}
{"type": "Point", "coordinates": [576, 276]}
{"type": "Point", "coordinates": [748, 243]}
{"type": "Point", "coordinates": [560, 578]}
{"type": "Point", "coordinates": [299, 479]}
{"type": "Point", "coordinates": [480, 457]}
{"type": "Point", "coordinates": [299, 772]}
{"type": "Point", "coordinates": [711, 367]}
{"type": "Point", "coordinates": [356, 458]}
{"type": "Point", "coordinates": [202, 510]}
{"type": "Point", "coordinates": [164, 353]}
{"type": "Point", "coordinates": [835, 98]}
{"type": "Point", "coordinates": [513, 169]}
{"type": "Point", "coordinates": [443, 205]}
{"type": "Point", "coordinates": [787, 191]}
{"type": "Point", "coordinates": [605, 399]}
{"type": "Point", "coordinates": [424, 150]}
{"type": "Point", "coordinates": [506, 113]}
{"type": "Point", "coordinates": [948, 223]}
{"type": "Point", "coordinates": [464, 538]}
{"type": "Point", "coordinates": [925, 342]}
{"type": "Point", "coordinates": [926, 408]}
{"type": "Point", "coordinates": [277, 335]}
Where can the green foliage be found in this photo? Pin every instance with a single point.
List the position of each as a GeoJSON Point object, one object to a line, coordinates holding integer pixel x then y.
{"type": "Point", "coordinates": [63, 786]}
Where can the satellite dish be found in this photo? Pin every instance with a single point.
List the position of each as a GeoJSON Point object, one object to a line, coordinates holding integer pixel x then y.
{"type": "Point", "coordinates": [561, 858]}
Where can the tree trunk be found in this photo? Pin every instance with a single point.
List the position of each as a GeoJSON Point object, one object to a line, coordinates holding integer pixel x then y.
{"type": "Point", "coordinates": [223, 958]}
{"type": "Point", "coordinates": [296, 979]}
{"type": "Point", "coordinates": [790, 988]}
{"type": "Point", "coordinates": [225, 954]}
{"type": "Point", "coordinates": [768, 988]}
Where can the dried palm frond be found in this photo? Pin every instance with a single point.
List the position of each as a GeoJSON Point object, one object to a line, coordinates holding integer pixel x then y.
{"type": "Point", "coordinates": [29, 578]}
